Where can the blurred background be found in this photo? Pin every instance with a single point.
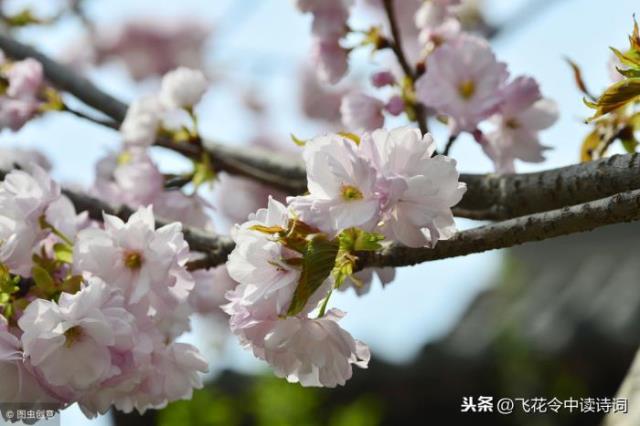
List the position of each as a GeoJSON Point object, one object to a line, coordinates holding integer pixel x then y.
{"type": "Point", "coordinates": [551, 319]}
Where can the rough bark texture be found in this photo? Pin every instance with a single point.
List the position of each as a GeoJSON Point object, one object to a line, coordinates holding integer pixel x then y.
{"type": "Point", "coordinates": [508, 196]}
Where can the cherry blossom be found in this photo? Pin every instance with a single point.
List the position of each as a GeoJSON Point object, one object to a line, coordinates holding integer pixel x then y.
{"type": "Point", "coordinates": [523, 114]}
{"type": "Point", "coordinates": [330, 59]}
{"type": "Point", "coordinates": [463, 81]}
{"type": "Point", "coordinates": [259, 263]}
{"type": "Point", "coordinates": [183, 88]}
{"type": "Point", "coordinates": [69, 342]}
{"type": "Point", "coordinates": [24, 198]}
{"type": "Point", "coordinates": [24, 386]}
{"type": "Point", "coordinates": [152, 46]}
{"type": "Point", "coordinates": [314, 352]}
{"type": "Point", "coordinates": [129, 177]}
{"type": "Point", "coordinates": [341, 184]}
{"type": "Point", "coordinates": [209, 291]}
{"type": "Point", "coordinates": [136, 257]}
{"type": "Point", "coordinates": [362, 112]}
{"type": "Point", "coordinates": [142, 122]}
{"type": "Point", "coordinates": [21, 101]}
{"type": "Point", "coordinates": [419, 190]}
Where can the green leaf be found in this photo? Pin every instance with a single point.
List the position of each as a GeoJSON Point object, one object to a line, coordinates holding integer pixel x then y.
{"type": "Point", "coordinates": [629, 73]}
{"type": "Point", "coordinates": [629, 59]}
{"type": "Point", "coordinates": [63, 252]}
{"type": "Point", "coordinates": [354, 239]}
{"type": "Point", "coordinates": [43, 279]}
{"type": "Point", "coordinates": [318, 261]}
{"type": "Point", "coordinates": [617, 96]}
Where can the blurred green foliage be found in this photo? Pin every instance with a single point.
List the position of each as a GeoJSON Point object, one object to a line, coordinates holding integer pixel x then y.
{"type": "Point", "coordinates": [270, 402]}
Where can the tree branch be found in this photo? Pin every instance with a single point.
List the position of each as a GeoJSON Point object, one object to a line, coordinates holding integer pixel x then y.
{"type": "Point", "coordinates": [497, 197]}
{"type": "Point", "coordinates": [624, 207]}
{"type": "Point", "coordinates": [214, 248]}
{"type": "Point", "coordinates": [396, 46]}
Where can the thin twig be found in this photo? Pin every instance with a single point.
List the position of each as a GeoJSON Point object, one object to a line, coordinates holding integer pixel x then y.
{"type": "Point", "coordinates": [396, 46]}
{"type": "Point", "coordinates": [450, 143]}
{"type": "Point", "coordinates": [106, 123]}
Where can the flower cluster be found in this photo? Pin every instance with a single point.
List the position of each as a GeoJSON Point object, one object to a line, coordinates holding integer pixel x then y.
{"type": "Point", "coordinates": [452, 75]}
{"type": "Point", "coordinates": [362, 188]}
{"type": "Point", "coordinates": [90, 313]}
{"type": "Point", "coordinates": [131, 177]}
{"type": "Point", "coordinates": [389, 182]}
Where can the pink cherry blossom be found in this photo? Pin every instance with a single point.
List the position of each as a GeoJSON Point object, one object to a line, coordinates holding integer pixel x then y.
{"type": "Point", "coordinates": [153, 47]}
{"type": "Point", "coordinates": [319, 102]}
{"type": "Point", "coordinates": [417, 190]}
{"type": "Point", "coordinates": [25, 79]}
{"type": "Point", "coordinates": [382, 79]}
{"type": "Point", "coordinates": [314, 352]}
{"type": "Point", "coordinates": [24, 198]}
{"type": "Point", "coordinates": [130, 178]}
{"type": "Point", "coordinates": [24, 158]}
{"type": "Point", "coordinates": [69, 342]}
{"type": "Point", "coordinates": [238, 197]}
{"type": "Point", "coordinates": [523, 114]}
{"type": "Point", "coordinates": [330, 60]}
{"type": "Point", "coordinates": [21, 101]}
{"type": "Point", "coordinates": [362, 112]}
{"type": "Point", "coordinates": [20, 385]}
{"type": "Point", "coordinates": [395, 106]}
{"type": "Point", "coordinates": [142, 122]}
{"type": "Point", "coordinates": [211, 285]}
{"type": "Point", "coordinates": [329, 16]}
{"type": "Point", "coordinates": [191, 210]}
{"type": "Point", "coordinates": [135, 257]}
{"type": "Point", "coordinates": [183, 88]}
{"type": "Point", "coordinates": [259, 263]}
{"type": "Point", "coordinates": [463, 81]}
{"type": "Point", "coordinates": [341, 185]}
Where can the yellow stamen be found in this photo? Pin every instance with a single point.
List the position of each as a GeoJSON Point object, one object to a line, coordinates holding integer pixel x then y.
{"type": "Point", "coordinates": [351, 193]}
{"type": "Point", "coordinates": [466, 89]}
{"type": "Point", "coordinates": [72, 335]}
{"type": "Point", "coordinates": [132, 260]}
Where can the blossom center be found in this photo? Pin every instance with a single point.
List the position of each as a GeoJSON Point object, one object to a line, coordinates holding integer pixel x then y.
{"type": "Point", "coordinates": [132, 259]}
{"type": "Point", "coordinates": [72, 335]}
{"type": "Point", "coordinates": [466, 89]}
{"type": "Point", "coordinates": [351, 193]}
{"type": "Point", "coordinates": [512, 123]}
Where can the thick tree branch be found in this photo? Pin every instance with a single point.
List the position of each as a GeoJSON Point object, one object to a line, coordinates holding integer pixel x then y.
{"type": "Point", "coordinates": [497, 197]}
{"type": "Point", "coordinates": [624, 207]}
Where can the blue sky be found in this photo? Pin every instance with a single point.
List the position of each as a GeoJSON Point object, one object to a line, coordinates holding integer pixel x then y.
{"type": "Point", "coordinates": [265, 41]}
